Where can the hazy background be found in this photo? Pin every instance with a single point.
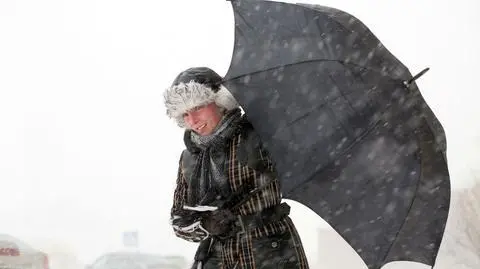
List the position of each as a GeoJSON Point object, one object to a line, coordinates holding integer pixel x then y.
{"type": "Point", "coordinates": [86, 151]}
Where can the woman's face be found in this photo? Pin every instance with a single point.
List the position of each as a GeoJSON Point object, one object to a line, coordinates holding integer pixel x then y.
{"type": "Point", "coordinates": [203, 119]}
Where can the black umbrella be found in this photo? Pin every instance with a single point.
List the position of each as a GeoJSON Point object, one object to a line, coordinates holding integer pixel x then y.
{"type": "Point", "coordinates": [351, 135]}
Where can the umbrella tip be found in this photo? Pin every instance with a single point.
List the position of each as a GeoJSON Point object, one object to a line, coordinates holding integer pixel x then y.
{"type": "Point", "coordinates": [409, 82]}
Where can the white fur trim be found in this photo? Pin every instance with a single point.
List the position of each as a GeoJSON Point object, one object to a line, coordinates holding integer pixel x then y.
{"type": "Point", "coordinates": [225, 99]}
{"type": "Point", "coordinates": [184, 96]}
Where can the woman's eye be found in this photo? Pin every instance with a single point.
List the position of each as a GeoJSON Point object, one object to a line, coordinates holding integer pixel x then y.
{"type": "Point", "coordinates": [197, 108]}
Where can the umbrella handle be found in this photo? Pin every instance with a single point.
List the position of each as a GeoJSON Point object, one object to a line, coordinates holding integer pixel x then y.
{"type": "Point", "coordinates": [407, 83]}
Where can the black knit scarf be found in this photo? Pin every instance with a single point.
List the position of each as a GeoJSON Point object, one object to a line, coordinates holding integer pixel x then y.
{"type": "Point", "coordinates": [209, 177]}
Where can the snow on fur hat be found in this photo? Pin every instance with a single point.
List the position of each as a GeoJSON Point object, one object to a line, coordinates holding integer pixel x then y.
{"type": "Point", "coordinates": [194, 87]}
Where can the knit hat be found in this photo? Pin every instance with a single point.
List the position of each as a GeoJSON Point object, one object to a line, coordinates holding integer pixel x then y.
{"type": "Point", "coordinates": [194, 87]}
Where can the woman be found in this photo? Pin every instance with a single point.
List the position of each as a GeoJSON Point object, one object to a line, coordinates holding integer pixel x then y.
{"type": "Point", "coordinates": [227, 195]}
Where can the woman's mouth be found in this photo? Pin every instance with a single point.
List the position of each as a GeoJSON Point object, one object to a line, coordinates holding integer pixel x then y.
{"type": "Point", "coordinates": [201, 127]}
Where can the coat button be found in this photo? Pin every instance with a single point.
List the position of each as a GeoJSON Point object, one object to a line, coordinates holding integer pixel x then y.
{"type": "Point", "coordinates": [274, 244]}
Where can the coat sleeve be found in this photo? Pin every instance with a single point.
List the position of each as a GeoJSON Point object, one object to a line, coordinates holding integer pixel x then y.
{"type": "Point", "coordinates": [180, 193]}
{"type": "Point", "coordinates": [186, 224]}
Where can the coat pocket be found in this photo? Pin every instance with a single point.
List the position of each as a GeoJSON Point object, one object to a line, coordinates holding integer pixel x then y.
{"type": "Point", "coordinates": [275, 252]}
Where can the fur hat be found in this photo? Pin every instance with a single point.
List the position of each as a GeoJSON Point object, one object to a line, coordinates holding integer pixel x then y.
{"type": "Point", "coordinates": [194, 87]}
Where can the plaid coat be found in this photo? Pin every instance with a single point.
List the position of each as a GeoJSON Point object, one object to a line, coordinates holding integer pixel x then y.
{"type": "Point", "coordinates": [247, 167]}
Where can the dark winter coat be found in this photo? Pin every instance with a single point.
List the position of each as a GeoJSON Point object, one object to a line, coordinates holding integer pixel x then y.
{"type": "Point", "coordinates": [249, 174]}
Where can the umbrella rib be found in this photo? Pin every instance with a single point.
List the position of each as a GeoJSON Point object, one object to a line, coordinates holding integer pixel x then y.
{"type": "Point", "coordinates": [348, 102]}
{"type": "Point", "coordinates": [275, 67]}
{"type": "Point", "coordinates": [303, 62]}
{"type": "Point", "coordinates": [401, 227]}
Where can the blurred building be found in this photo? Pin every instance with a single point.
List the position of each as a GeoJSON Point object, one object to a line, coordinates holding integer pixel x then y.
{"type": "Point", "coordinates": [61, 255]}
{"type": "Point", "coordinates": [460, 247]}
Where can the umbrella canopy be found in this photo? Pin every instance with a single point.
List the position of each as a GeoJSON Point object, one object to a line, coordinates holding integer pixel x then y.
{"type": "Point", "coordinates": [350, 133]}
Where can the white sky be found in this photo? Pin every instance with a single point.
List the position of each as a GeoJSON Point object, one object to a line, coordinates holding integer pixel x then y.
{"type": "Point", "coordinates": [86, 150]}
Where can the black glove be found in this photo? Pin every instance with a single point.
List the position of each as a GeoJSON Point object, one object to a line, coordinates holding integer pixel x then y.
{"type": "Point", "coordinates": [189, 227]}
{"type": "Point", "coordinates": [218, 222]}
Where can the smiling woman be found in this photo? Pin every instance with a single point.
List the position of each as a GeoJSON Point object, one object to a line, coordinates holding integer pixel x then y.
{"type": "Point", "coordinates": [85, 148]}
{"type": "Point", "coordinates": [225, 169]}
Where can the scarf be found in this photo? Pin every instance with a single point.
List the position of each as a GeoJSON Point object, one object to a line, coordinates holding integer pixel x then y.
{"type": "Point", "coordinates": [209, 178]}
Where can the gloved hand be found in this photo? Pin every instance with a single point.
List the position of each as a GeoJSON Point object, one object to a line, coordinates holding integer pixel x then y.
{"type": "Point", "coordinates": [189, 227]}
{"type": "Point", "coordinates": [218, 222]}
{"type": "Point", "coordinates": [202, 221]}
